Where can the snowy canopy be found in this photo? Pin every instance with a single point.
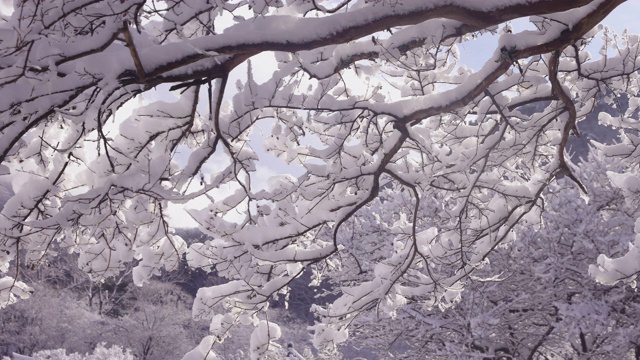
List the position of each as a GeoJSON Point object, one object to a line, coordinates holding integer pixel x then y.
{"type": "Point", "coordinates": [279, 122]}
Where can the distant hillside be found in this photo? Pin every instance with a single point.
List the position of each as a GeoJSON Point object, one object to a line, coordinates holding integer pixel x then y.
{"type": "Point", "coordinates": [591, 129]}
{"type": "Point", "coordinates": [5, 193]}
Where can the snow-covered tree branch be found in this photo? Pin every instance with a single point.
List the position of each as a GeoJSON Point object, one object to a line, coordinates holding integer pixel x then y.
{"type": "Point", "coordinates": [364, 96]}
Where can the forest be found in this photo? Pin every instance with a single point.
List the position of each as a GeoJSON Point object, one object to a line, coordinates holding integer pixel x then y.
{"type": "Point", "coordinates": [318, 179]}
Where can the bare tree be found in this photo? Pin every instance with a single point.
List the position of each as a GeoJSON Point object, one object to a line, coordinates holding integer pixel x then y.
{"type": "Point", "coordinates": [364, 93]}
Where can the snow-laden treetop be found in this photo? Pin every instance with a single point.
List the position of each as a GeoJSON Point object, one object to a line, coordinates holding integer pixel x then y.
{"type": "Point", "coordinates": [366, 95]}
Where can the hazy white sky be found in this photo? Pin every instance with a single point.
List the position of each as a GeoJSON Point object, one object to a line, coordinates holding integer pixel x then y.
{"type": "Point", "coordinates": [625, 16]}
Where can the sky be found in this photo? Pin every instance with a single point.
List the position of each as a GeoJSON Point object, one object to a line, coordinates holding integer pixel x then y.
{"type": "Point", "coordinates": [625, 17]}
